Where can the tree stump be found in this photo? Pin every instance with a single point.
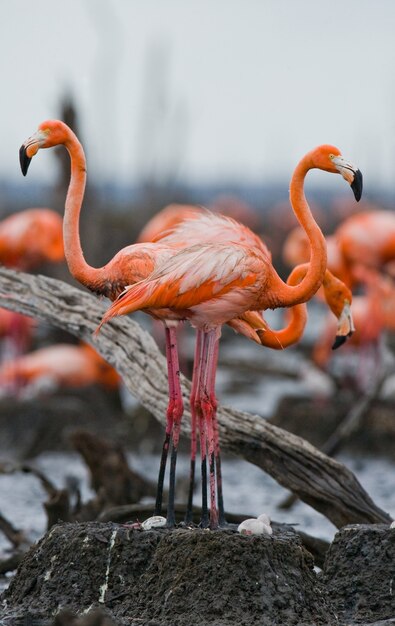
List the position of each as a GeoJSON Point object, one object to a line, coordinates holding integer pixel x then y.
{"type": "Point", "coordinates": [359, 573]}
{"type": "Point", "coordinates": [160, 577]}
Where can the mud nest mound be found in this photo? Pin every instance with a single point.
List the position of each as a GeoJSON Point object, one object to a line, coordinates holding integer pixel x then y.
{"type": "Point", "coordinates": [359, 573]}
{"type": "Point", "coordinates": [170, 578]}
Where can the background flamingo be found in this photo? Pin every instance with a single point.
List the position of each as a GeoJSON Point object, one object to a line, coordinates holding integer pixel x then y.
{"type": "Point", "coordinates": [367, 239]}
{"type": "Point", "coordinates": [58, 366]}
{"type": "Point", "coordinates": [166, 219]}
{"type": "Point", "coordinates": [373, 313]}
{"type": "Point", "coordinates": [15, 334]}
{"type": "Point", "coordinates": [361, 248]}
{"type": "Point", "coordinates": [215, 282]}
{"type": "Point", "coordinates": [363, 239]}
{"type": "Point", "coordinates": [28, 239]}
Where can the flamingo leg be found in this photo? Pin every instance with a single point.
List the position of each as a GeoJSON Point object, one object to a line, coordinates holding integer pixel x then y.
{"type": "Point", "coordinates": [194, 420]}
{"type": "Point", "coordinates": [213, 400]}
{"type": "Point", "coordinates": [173, 420]}
{"type": "Point", "coordinates": [178, 410]}
{"type": "Point", "coordinates": [204, 521]}
{"type": "Point", "coordinates": [208, 406]}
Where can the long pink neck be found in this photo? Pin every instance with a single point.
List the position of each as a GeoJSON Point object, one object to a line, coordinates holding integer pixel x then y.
{"type": "Point", "coordinates": [287, 295]}
{"type": "Point", "coordinates": [79, 268]}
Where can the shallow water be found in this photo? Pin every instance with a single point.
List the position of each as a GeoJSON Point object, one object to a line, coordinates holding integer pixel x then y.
{"type": "Point", "coordinates": [247, 490]}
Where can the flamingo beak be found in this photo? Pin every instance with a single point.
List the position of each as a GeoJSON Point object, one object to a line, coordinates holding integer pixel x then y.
{"type": "Point", "coordinates": [351, 174]}
{"type": "Point", "coordinates": [24, 160]}
{"type": "Point", "coordinates": [345, 326]}
{"type": "Point", "coordinates": [30, 148]}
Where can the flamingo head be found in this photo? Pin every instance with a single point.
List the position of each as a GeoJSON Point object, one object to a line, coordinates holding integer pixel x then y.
{"type": "Point", "coordinates": [339, 298]}
{"type": "Point", "coordinates": [345, 326]}
{"type": "Point", "coordinates": [330, 159]}
{"type": "Point", "coordinates": [50, 133]}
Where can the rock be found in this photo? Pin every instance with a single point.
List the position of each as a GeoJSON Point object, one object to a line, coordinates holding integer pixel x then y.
{"type": "Point", "coordinates": [359, 573]}
{"type": "Point", "coordinates": [180, 577]}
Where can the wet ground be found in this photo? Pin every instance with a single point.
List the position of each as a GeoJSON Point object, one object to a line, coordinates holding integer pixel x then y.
{"type": "Point", "coordinates": [181, 577]}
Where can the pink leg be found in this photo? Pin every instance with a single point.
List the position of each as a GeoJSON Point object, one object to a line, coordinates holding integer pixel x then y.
{"type": "Point", "coordinates": [202, 427]}
{"type": "Point", "coordinates": [194, 419]}
{"type": "Point", "coordinates": [173, 420]}
{"type": "Point", "coordinates": [214, 403]}
{"type": "Point", "coordinates": [178, 410]}
{"type": "Point", "coordinates": [208, 405]}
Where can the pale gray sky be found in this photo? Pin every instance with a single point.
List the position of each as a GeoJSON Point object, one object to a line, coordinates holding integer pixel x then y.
{"type": "Point", "coordinates": [241, 90]}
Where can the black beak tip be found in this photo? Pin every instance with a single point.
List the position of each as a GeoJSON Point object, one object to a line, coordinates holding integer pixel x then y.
{"type": "Point", "coordinates": [24, 160]}
{"type": "Point", "coordinates": [339, 341]}
{"type": "Point", "coordinates": [357, 185]}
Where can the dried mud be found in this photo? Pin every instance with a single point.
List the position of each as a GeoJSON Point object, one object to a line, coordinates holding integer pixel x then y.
{"type": "Point", "coordinates": [170, 578]}
{"type": "Point", "coordinates": [359, 573]}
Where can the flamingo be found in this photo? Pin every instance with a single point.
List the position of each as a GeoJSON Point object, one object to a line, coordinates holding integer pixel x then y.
{"type": "Point", "coordinates": [15, 333]}
{"type": "Point", "coordinates": [31, 237]}
{"type": "Point", "coordinates": [214, 282]}
{"type": "Point", "coordinates": [367, 239]}
{"type": "Point", "coordinates": [129, 265]}
{"type": "Point", "coordinates": [207, 226]}
{"type": "Point", "coordinates": [27, 239]}
{"type": "Point", "coordinates": [361, 247]}
{"type": "Point", "coordinates": [372, 312]}
{"type": "Point", "coordinates": [296, 250]}
{"type": "Point", "coordinates": [167, 219]}
{"type": "Point", "coordinates": [364, 239]}
{"type": "Point", "coordinates": [62, 365]}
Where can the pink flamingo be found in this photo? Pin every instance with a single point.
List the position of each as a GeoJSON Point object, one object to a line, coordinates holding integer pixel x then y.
{"type": "Point", "coordinates": [63, 365]}
{"type": "Point", "coordinates": [28, 239]}
{"type": "Point", "coordinates": [212, 283]}
{"type": "Point", "coordinates": [131, 264]}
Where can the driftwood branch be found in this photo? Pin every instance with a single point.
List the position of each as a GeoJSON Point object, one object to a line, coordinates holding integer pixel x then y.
{"type": "Point", "coordinates": [322, 482]}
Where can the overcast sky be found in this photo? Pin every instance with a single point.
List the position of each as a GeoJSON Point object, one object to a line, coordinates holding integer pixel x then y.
{"type": "Point", "coordinates": [214, 89]}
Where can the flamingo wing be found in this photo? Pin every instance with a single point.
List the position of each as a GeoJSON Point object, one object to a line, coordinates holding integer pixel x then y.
{"type": "Point", "coordinates": [192, 276]}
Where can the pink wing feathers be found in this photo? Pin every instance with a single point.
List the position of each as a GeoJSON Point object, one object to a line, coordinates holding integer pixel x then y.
{"type": "Point", "coordinates": [208, 226]}
{"type": "Point", "coordinates": [192, 276]}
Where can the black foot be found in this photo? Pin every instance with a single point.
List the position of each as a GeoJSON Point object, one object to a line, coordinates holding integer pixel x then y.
{"type": "Point", "coordinates": [204, 522]}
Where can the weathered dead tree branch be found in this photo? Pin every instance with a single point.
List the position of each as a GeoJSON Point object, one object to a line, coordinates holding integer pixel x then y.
{"type": "Point", "coordinates": [322, 482]}
{"type": "Point", "coordinates": [111, 476]}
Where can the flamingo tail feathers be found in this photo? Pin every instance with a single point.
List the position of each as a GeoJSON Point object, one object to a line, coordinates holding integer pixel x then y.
{"type": "Point", "coordinates": [132, 299]}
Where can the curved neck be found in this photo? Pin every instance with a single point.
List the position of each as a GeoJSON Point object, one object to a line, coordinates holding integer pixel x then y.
{"type": "Point", "coordinates": [296, 317]}
{"type": "Point", "coordinates": [79, 268]}
{"type": "Point", "coordinates": [290, 334]}
{"type": "Point", "coordinates": [289, 295]}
